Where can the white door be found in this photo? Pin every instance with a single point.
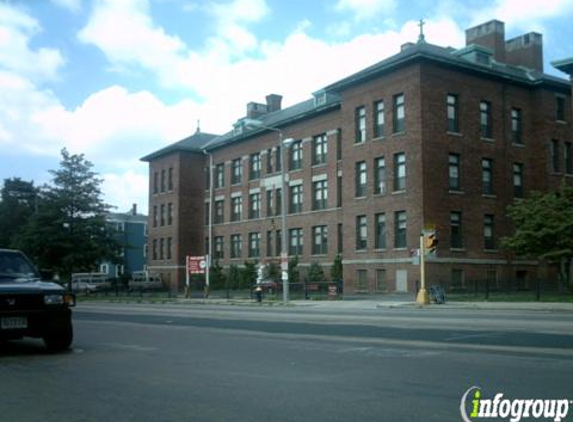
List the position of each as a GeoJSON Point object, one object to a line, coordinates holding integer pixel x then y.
{"type": "Point", "coordinates": [401, 280]}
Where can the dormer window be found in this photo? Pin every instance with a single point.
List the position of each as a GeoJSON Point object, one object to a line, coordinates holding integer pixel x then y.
{"type": "Point", "coordinates": [319, 99]}
{"type": "Point", "coordinates": [482, 58]}
{"type": "Point", "coordinates": [239, 127]}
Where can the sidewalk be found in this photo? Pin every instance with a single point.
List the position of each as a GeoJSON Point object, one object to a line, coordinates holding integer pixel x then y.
{"type": "Point", "coordinates": [521, 306]}
{"type": "Point", "coordinates": [387, 302]}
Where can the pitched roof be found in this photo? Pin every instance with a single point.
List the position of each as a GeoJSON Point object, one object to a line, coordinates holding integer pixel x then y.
{"type": "Point", "coordinates": [565, 65]}
{"type": "Point", "coordinates": [193, 143]}
{"type": "Point", "coordinates": [461, 59]}
{"type": "Point", "coordinates": [448, 56]}
{"type": "Point", "coordinates": [277, 120]}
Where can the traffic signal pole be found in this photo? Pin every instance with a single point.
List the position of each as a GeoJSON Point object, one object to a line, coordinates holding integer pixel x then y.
{"type": "Point", "coordinates": [423, 298]}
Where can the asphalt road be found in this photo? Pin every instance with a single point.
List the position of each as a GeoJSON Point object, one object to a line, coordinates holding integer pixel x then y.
{"type": "Point", "coordinates": [214, 363]}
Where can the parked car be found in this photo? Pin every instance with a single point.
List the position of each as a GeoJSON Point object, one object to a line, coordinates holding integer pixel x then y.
{"type": "Point", "coordinates": [90, 282]}
{"type": "Point", "coordinates": [30, 307]}
{"type": "Point", "coordinates": [144, 280]}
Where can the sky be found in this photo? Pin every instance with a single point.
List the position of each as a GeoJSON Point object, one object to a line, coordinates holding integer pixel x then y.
{"type": "Point", "coordinates": [118, 79]}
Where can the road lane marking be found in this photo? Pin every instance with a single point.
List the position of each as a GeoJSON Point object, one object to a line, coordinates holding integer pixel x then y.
{"type": "Point", "coordinates": [469, 336]}
{"type": "Point", "coordinates": [419, 344]}
{"type": "Point", "coordinates": [134, 347]}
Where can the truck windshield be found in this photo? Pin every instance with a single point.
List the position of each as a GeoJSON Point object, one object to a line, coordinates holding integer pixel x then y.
{"type": "Point", "coordinates": [14, 266]}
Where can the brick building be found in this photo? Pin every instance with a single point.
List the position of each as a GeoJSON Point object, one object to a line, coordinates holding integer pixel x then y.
{"type": "Point", "coordinates": [431, 136]}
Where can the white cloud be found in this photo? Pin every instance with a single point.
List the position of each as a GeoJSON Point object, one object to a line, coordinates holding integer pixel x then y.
{"type": "Point", "coordinates": [115, 186]}
{"type": "Point", "coordinates": [443, 31]}
{"type": "Point", "coordinates": [339, 29]}
{"type": "Point", "coordinates": [225, 76]}
{"type": "Point", "coordinates": [524, 14]}
{"type": "Point", "coordinates": [16, 30]}
{"type": "Point", "coordinates": [363, 10]}
{"type": "Point", "coordinates": [113, 128]}
{"type": "Point", "coordinates": [20, 100]}
{"type": "Point", "coordinates": [232, 20]}
{"type": "Point", "coordinates": [128, 124]}
{"type": "Point", "coordinates": [124, 31]}
{"type": "Point", "coordinates": [240, 11]}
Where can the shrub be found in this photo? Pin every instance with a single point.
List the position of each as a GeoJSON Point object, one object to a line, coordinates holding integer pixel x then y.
{"type": "Point", "coordinates": [217, 276]}
{"type": "Point", "coordinates": [336, 270]}
{"type": "Point", "coordinates": [315, 273]}
{"type": "Point", "coordinates": [234, 277]}
{"type": "Point", "coordinates": [249, 274]}
{"type": "Point", "coordinates": [293, 272]}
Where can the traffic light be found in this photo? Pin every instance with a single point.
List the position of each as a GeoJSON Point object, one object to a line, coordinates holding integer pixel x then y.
{"type": "Point", "coordinates": [430, 242]}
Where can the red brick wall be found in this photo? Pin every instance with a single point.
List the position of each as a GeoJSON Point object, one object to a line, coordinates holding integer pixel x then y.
{"type": "Point", "coordinates": [426, 199]}
{"type": "Point", "coordinates": [186, 229]}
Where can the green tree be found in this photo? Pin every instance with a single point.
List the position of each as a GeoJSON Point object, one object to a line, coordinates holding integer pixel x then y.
{"type": "Point", "coordinates": [315, 273]}
{"type": "Point", "coordinates": [249, 274]}
{"type": "Point", "coordinates": [336, 269]}
{"type": "Point", "coordinates": [18, 202]}
{"type": "Point", "coordinates": [234, 278]}
{"type": "Point", "coordinates": [69, 232]}
{"type": "Point", "coordinates": [217, 276]}
{"type": "Point", "coordinates": [293, 272]}
{"type": "Point", "coordinates": [544, 228]}
{"type": "Point", "coordinates": [274, 271]}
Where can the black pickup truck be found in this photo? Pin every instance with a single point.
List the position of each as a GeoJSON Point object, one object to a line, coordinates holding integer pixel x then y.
{"type": "Point", "coordinates": [30, 307]}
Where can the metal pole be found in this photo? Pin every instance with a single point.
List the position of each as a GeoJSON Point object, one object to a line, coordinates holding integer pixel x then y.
{"type": "Point", "coordinates": [423, 297]}
{"type": "Point", "coordinates": [283, 218]}
{"type": "Point", "coordinates": [284, 254]}
{"type": "Point", "coordinates": [422, 264]}
{"type": "Point", "coordinates": [187, 277]}
{"type": "Point", "coordinates": [210, 241]}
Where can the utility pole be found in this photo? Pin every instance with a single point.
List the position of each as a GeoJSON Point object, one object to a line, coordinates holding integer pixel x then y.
{"type": "Point", "coordinates": [423, 297]}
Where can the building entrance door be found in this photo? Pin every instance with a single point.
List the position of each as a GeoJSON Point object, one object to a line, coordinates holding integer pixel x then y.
{"type": "Point", "coordinates": [401, 280]}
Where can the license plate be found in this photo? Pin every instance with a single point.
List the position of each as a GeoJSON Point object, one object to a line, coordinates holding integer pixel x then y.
{"type": "Point", "coordinates": [14, 323]}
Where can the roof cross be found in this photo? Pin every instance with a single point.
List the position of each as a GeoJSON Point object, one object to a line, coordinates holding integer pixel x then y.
{"type": "Point", "coordinates": [421, 37]}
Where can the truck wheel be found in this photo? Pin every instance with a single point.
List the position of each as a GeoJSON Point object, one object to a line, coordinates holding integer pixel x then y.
{"type": "Point", "coordinates": [60, 338]}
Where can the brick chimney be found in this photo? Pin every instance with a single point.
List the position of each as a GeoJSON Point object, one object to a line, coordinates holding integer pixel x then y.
{"type": "Point", "coordinates": [134, 209]}
{"type": "Point", "coordinates": [525, 50]}
{"type": "Point", "coordinates": [490, 35]}
{"type": "Point", "coordinates": [274, 102]}
{"type": "Point", "coordinates": [256, 110]}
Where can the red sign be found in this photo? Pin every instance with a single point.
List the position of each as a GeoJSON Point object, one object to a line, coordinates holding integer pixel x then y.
{"type": "Point", "coordinates": [196, 264]}
{"type": "Point", "coordinates": [284, 261]}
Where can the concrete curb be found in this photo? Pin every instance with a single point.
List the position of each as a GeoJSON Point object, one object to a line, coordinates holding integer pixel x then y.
{"type": "Point", "coordinates": [507, 306]}
{"type": "Point", "coordinates": [362, 304]}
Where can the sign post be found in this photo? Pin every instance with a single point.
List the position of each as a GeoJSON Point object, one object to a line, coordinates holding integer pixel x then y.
{"type": "Point", "coordinates": [196, 264]}
{"type": "Point", "coordinates": [423, 298]}
{"type": "Point", "coordinates": [284, 270]}
{"type": "Point", "coordinates": [193, 265]}
{"type": "Point", "coordinates": [207, 270]}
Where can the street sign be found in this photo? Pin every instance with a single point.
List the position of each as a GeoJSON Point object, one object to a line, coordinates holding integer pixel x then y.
{"type": "Point", "coordinates": [430, 243]}
{"type": "Point", "coordinates": [332, 292]}
{"type": "Point", "coordinates": [196, 264]}
{"type": "Point", "coordinates": [284, 261]}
